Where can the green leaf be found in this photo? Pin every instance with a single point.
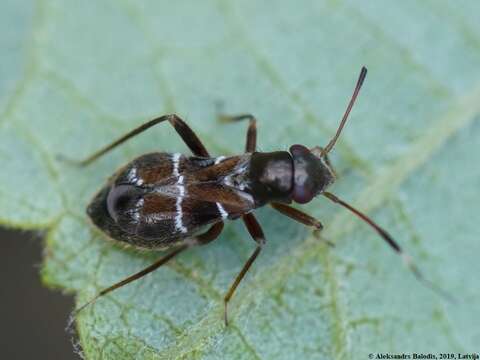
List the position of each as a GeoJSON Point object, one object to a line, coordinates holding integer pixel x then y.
{"type": "Point", "coordinates": [76, 75]}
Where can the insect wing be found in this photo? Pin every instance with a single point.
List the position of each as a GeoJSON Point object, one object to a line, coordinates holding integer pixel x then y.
{"type": "Point", "coordinates": [229, 202]}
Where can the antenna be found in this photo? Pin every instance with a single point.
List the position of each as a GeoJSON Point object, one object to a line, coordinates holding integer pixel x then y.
{"type": "Point", "coordinates": [361, 78]}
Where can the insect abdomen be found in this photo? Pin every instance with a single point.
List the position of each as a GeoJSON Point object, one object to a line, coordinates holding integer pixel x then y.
{"type": "Point", "coordinates": [150, 204]}
{"type": "Point", "coordinates": [116, 211]}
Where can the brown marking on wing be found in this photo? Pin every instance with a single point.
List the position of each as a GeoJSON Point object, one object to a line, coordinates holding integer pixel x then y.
{"type": "Point", "coordinates": [231, 199]}
{"type": "Point", "coordinates": [154, 167]}
{"type": "Point", "coordinates": [157, 168]}
{"type": "Point", "coordinates": [217, 171]}
{"type": "Point", "coordinates": [160, 214]}
{"type": "Point", "coordinates": [156, 203]}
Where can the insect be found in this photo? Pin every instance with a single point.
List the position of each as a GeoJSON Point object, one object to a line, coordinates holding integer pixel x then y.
{"type": "Point", "coordinates": [162, 201]}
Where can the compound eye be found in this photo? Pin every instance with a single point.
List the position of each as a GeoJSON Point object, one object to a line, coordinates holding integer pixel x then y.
{"type": "Point", "coordinates": [118, 199]}
{"type": "Point", "coordinates": [302, 194]}
{"type": "Point", "coordinates": [304, 189]}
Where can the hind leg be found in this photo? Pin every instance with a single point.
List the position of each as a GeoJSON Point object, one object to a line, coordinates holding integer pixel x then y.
{"type": "Point", "coordinates": [185, 132]}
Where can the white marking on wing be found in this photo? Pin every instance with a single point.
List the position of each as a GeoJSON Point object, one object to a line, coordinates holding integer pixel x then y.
{"type": "Point", "coordinates": [176, 163]}
{"type": "Point", "coordinates": [228, 181]}
{"type": "Point", "coordinates": [133, 177]}
{"type": "Point", "coordinates": [138, 207]}
{"type": "Point", "coordinates": [178, 205]}
{"type": "Point", "coordinates": [246, 196]}
{"type": "Point", "coordinates": [222, 211]}
{"type": "Point", "coordinates": [219, 159]}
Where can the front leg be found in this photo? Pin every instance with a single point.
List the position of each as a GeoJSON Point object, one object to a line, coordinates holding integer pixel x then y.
{"type": "Point", "coordinates": [297, 215]}
{"type": "Point", "coordinates": [301, 217]}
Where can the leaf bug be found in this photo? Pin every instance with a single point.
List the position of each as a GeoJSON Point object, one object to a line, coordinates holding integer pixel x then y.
{"type": "Point", "coordinates": [161, 201]}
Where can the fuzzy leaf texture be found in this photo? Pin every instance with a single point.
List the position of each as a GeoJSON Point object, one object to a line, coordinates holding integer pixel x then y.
{"type": "Point", "coordinates": [76, 75]}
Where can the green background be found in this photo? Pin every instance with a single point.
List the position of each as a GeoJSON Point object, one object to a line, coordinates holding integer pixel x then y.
{"type": "Point", "coordinates": [76, 75]}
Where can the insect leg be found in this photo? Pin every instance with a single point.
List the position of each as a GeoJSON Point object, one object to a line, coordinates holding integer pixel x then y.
{"type": "Point", "coordinates": [121, 140]}
{"type": "Point", "coordinates": [208, 236]}
{"type": "Point", "coordinates": [130, 279]}
{"type": "Point", "coordinates": [256, 232]}
{"type": "Point", "coordinates": [251, 143]}
{"type": "Point", "coordinates": [187, 134]}
{"type": "Point", "coordinates": [393, 244]}
{"type": "Point", "coordinates": [297, 215]}
{"type": "Point", "coordinates": [254, 228]}
{"type": "Point", "coordinates": [202, 239]}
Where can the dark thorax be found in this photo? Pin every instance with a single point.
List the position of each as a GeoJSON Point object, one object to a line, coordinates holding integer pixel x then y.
{"type": "Point", "coordinates": [271, 177]}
